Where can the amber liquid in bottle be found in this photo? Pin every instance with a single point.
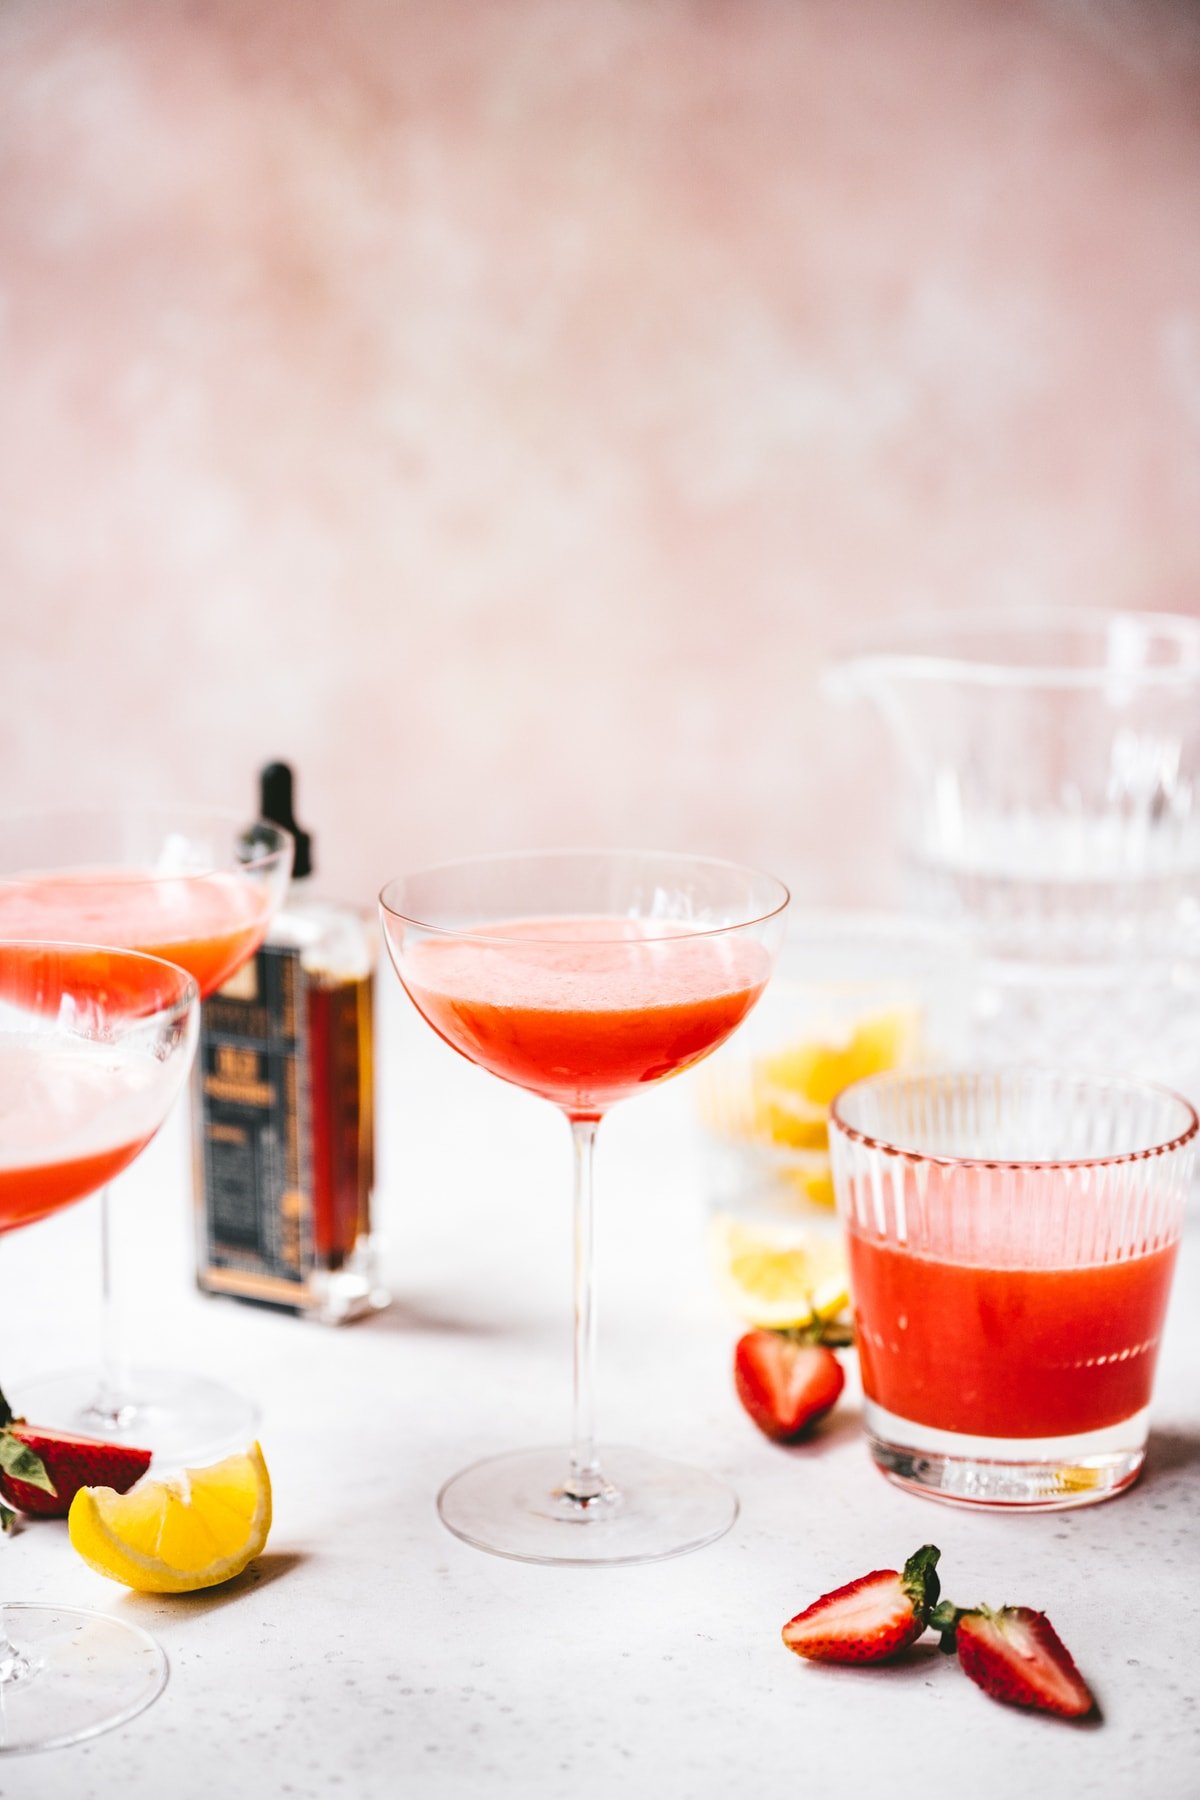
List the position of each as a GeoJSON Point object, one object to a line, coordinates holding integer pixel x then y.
{"type": "Point", "coordinates": [342, 1115]}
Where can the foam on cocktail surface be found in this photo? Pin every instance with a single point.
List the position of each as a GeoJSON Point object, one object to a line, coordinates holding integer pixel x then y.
{"type": "Point", "coordinates": [130, 908]}
{"type": "Point", "coordinates": [74, 1098]}
{"type": "Point", "coordinates": [587, 964]}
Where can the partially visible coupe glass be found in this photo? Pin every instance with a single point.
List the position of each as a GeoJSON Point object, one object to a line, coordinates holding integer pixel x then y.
{"type": "Point", "coordinates": [1012, 1239]}
{"type": "Point", "coordinates": [198, 888]}
{"type": "Point", "coordinates": [95, 1045]}
{"type": "Point", "coordinates": [585, 976]}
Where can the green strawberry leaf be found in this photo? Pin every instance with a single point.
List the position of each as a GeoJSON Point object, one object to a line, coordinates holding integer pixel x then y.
{"type": "Point", "coordinates": [944, 1619]}
{"type": "Point", "coordinates": [21, 1463]}
{"type": "Point", "coordinates": [6, 1413]}
{"type": "Point", "coordinates": [920, 1580]}
{"type": "Point", "coordinates": [835, 1334]}
{"type": "Point", "coordinates": [8, 1520]}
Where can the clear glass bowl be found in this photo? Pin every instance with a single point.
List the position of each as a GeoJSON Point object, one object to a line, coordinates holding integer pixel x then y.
{"type": "Point", "coordinates": [1053, 764]}
{"type": "Point", "coordinates": [1051, 774]}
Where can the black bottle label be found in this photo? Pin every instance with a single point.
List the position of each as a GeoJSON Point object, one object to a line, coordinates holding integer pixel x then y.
{"type": "Point", "coordinates": [253, 1136]}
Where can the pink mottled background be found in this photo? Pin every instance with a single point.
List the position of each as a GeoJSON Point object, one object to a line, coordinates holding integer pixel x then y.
{"type": "Point", "coordinates": [500, 408]}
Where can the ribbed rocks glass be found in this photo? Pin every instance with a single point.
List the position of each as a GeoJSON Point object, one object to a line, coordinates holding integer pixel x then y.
{"type": "Point", "coordinates": [1012, 1237]}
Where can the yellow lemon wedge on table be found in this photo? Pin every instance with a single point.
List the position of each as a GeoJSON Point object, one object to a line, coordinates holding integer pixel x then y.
{"type": "Point", "coordinates": [174, 1536]}
{"type": "Point", "coordinates": [783, 1283]}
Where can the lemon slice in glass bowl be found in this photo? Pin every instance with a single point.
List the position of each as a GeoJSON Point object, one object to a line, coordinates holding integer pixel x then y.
{"type": "Point", "coordinates": [794, 1088]}
{"type": "Point", "coordinates": [174, 1536]}
{"type": "Point", "coordinates": [782, 1281]}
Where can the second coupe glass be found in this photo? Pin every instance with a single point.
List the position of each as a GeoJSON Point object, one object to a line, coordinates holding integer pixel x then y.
{"type": "Point", "coordinates": [585, 976]}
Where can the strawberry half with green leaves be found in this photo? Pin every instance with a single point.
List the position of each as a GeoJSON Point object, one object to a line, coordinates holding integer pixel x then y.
{"type": "Point", "coordinates": [1015, 1655]}
{"type": "Point", "coordinates": [872, 1619]}
{"type": "Point", "coordinates": [41, 1471]}
{"type": "Point", "coordinates": [785, 1384]}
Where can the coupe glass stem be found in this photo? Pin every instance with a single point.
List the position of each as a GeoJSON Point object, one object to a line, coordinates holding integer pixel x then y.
{"type": "Point", "coordinates": [585, 1482]}
{"type": "Point", "coordinates": [112, 1393]}
{"type": "Point", "coordinates": [14, 1664]}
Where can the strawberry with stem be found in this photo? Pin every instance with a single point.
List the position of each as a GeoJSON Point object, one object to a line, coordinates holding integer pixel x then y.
{"type": "Point", "coordinates": [18, 1462]}
{"type": "Point", "coordinates": [872, 1619]}
{"type": "Point", "coordinates": [787, 1380]}
{"type": "Point", "coordinates": [41, 1471]}
{"type": "Point", "coordinates": [786, 1387]}
{"type": "Point", "coordinates": [1015, 1655]}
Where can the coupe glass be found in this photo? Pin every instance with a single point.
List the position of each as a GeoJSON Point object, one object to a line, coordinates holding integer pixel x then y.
{"type": "Point", "coordinates": [94, 1046]}
{"type": "Point", "coordinates": [198, 888]}
{"type": "Point", "coordinates": [1012, 1240]}
{"type": "Point", "coordinates": [584, 976]}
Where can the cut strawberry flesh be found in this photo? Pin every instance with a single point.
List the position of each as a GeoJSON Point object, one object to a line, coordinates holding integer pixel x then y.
{"type": "Point", "coordinates": [71, 1462]}
{"type": "Point", "coordinates": [784, 1386]}
{"type": "Point", "coordinates": [871, 1619]}
{"type": "Point", "coordinates": [868, 1620]}
{"type": "Point", "coordinates": [1016, 1656]}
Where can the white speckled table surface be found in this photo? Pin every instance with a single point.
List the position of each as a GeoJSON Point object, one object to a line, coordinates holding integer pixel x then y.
{"type": "Point", "coordinates": [371, 1654]}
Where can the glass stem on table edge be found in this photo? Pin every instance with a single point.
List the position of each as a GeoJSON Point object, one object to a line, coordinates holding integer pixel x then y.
{"type": "Point", "coordinates": [585, 1483]}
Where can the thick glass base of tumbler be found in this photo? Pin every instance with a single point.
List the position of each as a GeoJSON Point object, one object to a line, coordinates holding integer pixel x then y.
{"type": "Point", "coordinates": [1007, 1474]}
{"type": "Point", "coordinates": [649, 1509]}
{"type": "Point", "coordinates": [75, 1675]}
{"type": "Point", "coordinates": [184, 1419]}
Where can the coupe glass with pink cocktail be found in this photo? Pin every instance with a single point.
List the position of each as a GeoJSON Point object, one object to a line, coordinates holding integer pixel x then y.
{"type": "Point", "coordinates": [197, 888]}
{"type": "Point", "coordinates": [95, 1045]}
{"type": "Point", "coordinates": [584, 977]}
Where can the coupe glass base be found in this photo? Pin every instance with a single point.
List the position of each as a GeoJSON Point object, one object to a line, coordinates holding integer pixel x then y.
{"type": "Point", "coordinates": [79, 1674]}
{"type": "Point", "coordinates": [514, 1505]}
{"type": "Point", "coordinates": [186, 1420]}
{"type": "Point", "coordinates": [1007, 1474]}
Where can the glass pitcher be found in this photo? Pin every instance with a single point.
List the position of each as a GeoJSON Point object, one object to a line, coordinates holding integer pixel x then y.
{"type": "Point", "coordinates": [1052, 760]}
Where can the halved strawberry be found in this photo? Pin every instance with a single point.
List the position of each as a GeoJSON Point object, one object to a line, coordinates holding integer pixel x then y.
{"type": "Point", "coordinates": [871, 1619]}
{"type": "Point", "coordinates": [1015, 1655]}
{"type": "Point", "coordinates": [41, 1471]}
{"type": "Point", "coordinates": [785, 1386]}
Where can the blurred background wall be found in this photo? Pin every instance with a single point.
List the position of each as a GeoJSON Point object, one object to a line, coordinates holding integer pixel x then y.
{"type": "Point", "coordinates": [501, 407]}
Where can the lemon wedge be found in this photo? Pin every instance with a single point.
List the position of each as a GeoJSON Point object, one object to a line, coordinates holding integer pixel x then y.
{"type": "Point", "coordinates": [777, 1281]}
{"type": "Point", "coordinates": [813, 1183]}
{"type": "Point", "coordinates": [783, 1116]}
{"type": "Point", "coordinates": [172, 1537]}
{"type": "Point", "coordinates": [795, 1087]}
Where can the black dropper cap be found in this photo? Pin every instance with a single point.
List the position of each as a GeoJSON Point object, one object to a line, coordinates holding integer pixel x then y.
{"type": "Point", "coordinates": [275, 805]}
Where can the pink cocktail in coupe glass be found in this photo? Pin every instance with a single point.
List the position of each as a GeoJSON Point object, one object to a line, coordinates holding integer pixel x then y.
{"type": "Point", "coordinates": [199, 889]}
{"type": "Point", "coordinates": [95, 1045]}
{"type": "Point", "coordinates": [585, 977]}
